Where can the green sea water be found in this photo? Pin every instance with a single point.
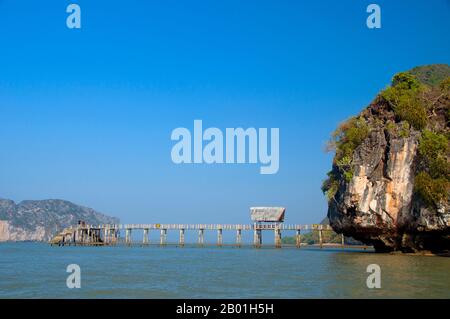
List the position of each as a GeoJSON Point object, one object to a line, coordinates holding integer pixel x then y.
{"type": "Point", "coordinates": [37, 270]}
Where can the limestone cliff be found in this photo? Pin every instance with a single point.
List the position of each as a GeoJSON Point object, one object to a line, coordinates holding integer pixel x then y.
{"type": "Point", "coordinates": [40, 220]}
{"type": "Point", "coordinates": [389, 185]}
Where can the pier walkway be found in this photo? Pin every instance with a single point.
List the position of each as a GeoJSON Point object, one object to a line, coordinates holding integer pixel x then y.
{"type": "Point", "coordinates": [109, 234]}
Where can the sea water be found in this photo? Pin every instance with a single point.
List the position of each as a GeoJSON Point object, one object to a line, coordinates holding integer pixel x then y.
{"type": "Point", "coordinates": [37, 270]}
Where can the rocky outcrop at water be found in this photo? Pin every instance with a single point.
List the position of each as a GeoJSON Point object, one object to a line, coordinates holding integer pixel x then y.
{"type": "Point", "coordinates": [40, 220]}
{"type": "Point", "coordinates": [390, 181]}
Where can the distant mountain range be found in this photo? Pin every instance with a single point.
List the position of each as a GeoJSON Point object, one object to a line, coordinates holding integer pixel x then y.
{"type": "Point", "coordinates": [40, 220]}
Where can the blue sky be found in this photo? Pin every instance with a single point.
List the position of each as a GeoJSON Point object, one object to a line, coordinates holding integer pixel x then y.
{"type": "Point", "coordinates": [86, 115]}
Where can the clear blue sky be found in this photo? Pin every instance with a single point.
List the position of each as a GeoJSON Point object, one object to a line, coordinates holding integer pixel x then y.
{"type": "Point", "coordinates": [86, 115]}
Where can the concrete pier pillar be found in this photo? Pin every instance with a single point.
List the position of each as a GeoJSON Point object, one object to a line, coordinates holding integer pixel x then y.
{"type": "Point", "coordinates": [257, 240]}
{"type": "Point", "coordinates": [88, 237]}
{"type": "Point", "coordinates": [145, 237]}
{"type": "Point", "coordinates": [181, 237]}
{"type": "Point", "coordinates": [116, 236]}
{"type": "Point", "coordinates": [163, 237]}
{"type": "Point", "coordinates": [105, 235]}
{"type": "Point", "coordinates": [128, 236]}
{"type": "Point", "coordinates": [201, 237]}
{"type": "Point", "coordinates": [298, 239]}
{"type": "Point", "coordinates": [239, 237]}
{"type": "Point", "coordinates": [277, 232]}
{"type": "Point", "coordinates": [320, 237]}
{"type": "Point", "coordinates": [219, 237]}
{"type": "Point", "coordinates": [77, 234]}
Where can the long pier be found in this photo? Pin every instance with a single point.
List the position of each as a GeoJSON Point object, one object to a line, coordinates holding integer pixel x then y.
{"type": "Point", "coordinates": [109, 234]}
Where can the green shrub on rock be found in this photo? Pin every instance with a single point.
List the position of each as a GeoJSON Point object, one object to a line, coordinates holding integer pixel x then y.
{"type": "Point", "coordinates": [348, 136]}
{"type": "Point", "coordinates": [431, 190]}
{"type": "Point", "coordinates": [433, 182]}
{"type": "Point", "coordinates": [330, 186]}
{"type": "Point", "coordinates": [403, 96]}
{"type": "Point", "coordinates": [433, 149]}
{"type": "Point", "coordinates": [344, 141]}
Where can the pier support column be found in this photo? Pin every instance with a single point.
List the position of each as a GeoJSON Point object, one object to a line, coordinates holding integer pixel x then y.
{"type": "Point", "coordinates": [257, 238]}
{"type": "Point", "coordinates": [105, 235]}
{"type": "Point", "coordinates": [145, 237]}
{"type": "Point", "coordinates": [111, 236]}
{"type": "Point", "coordinates": [88, 237]}
{"type": "Point", "coordinates": [182, 237]}
{"type": "Point", "coordinates": [277, 232]}
{"type": "Point", "coordinates": [342, 240]}
{"type": "Point", "coordinates": [298, 239]}
{"type": "Point", "coordinates": [128, 236]}
{"type": "Point", "coordinates": [201, 237]}
{"type": "Point", "coordinates": [219, 237]}
{"type": "Point", "coordinates": [163, 237]}
{"type": "Point", "coordinates": [320, 237]}
{"type": "Point", "coordinates": [239, 237]}
{"type": "Point", "coordinates": [116, 236]}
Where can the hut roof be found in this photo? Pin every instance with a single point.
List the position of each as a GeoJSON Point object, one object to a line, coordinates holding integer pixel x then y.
{"type": "Point", "coordinates": [267, 214]}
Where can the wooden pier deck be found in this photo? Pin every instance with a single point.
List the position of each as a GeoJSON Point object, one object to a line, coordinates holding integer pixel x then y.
{"type": "Point", "coordinates": [109, 234]}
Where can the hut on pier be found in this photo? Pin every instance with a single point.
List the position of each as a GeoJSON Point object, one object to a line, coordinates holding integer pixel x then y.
{"type": "Point", "coordinates": [267, 214]}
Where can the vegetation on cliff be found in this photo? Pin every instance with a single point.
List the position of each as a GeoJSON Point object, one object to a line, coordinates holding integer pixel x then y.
{"type": "Point", "coordinates": [433, 179]}
{"type": "Point", "coordinates": [412, 99]}
{"type": "Point", "coordinates": [345, 139]}
{"type": "Point", "coordinates": [312, 238]}
{"type": "Point", "coordinates": [390, 180]}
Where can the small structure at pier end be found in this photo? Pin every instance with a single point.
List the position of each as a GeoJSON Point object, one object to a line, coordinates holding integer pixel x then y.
{"type": "Point", "coordinates": [267, 214]}
{"type": "Point", "coordinates": [272, 215]}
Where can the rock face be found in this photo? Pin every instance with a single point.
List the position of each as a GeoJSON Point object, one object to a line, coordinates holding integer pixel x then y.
{"type": "Point", "coordinates": [40, 220]}
{"type": "Point", "coordinates": [378, 204]}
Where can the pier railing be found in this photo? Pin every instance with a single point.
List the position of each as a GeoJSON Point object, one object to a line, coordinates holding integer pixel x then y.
{"type": "Point", "coordinates": [267, 226]}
